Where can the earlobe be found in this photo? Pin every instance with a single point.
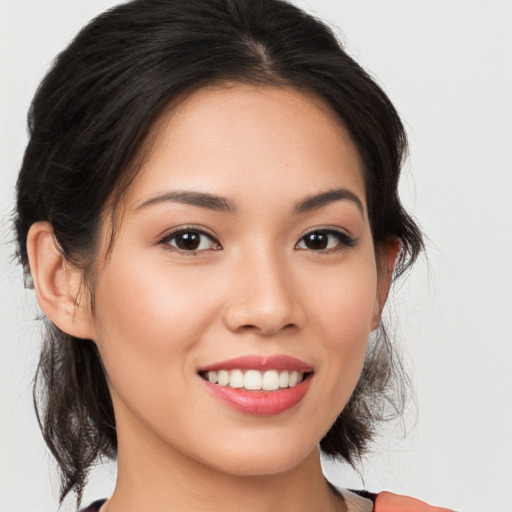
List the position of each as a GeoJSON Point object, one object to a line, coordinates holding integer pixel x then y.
{"type": "Point", "coordinates": [57, 283]}
{"type": "Point", "coordinates": [387, 255]}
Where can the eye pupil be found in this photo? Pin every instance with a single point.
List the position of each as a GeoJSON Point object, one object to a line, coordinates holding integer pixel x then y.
{"type": "Point", "coordinates": [316, 241]}
{"type": "Point", "coordinates": [188, 241]}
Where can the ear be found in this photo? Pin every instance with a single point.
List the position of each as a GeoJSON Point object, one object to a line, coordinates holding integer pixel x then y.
{"type": "Point", "coordinates": [57, 283]}
{"type": "Point", "coordinates": [386, 255]}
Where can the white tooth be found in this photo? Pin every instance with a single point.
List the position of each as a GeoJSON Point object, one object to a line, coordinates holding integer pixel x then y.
{"type": "Point", "coordinates": [270, 380]}
{"type": "Point", "coordinates": [252, 380]}
{"type": "Point", "coordinates": [212, 377]}
{"type": "Point", "coordinates": [237, 379]}
{"type": "Point", "coordinates": [283, 379]}
{"type": "Point", "coordinates": [294, 377]}
{"type": "Point", "coordinates": [223, 377]}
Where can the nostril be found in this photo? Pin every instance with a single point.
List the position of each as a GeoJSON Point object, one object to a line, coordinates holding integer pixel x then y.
{"type": "Point", "coordinates": [266, 330]}
{"type": "Point", "coordinates": [248, 327]}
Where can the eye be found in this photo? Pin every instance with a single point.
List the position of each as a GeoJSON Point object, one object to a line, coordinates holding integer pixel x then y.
{"type": "Point", "coordinates": [191, 240]}
{"type": "Point", "coordinates": [325, 240]}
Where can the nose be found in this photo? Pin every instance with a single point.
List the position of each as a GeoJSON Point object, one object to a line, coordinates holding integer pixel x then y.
{"type": "Point", "coordinates": [263, 297]}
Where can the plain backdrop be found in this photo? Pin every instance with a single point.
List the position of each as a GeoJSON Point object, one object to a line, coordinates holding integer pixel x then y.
{"type": "Point", "coordinates": [447, 66]}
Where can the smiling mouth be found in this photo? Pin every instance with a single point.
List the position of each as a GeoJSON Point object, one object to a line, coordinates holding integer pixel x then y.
{"type": "Point", "coordinates": [255, 380]}
{"type": "Point", "coordinates": [258, 385]}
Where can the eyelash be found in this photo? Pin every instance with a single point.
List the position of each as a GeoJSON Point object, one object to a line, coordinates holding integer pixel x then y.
{"type": "Point", "coordinates": [166, 240]}
{"type": "Point", "coordinates": [344, 241]}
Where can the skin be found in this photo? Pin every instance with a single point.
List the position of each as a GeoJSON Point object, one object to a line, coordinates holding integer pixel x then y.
{"type": "Point", "coordinates": [253, 287]}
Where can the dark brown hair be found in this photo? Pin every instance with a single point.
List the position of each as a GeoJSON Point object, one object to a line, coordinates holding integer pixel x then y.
{"type": "Point", "coordinates": [88, 122]}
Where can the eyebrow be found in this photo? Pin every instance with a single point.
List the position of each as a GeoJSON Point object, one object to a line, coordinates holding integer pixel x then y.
{"type": "Point", "coordinates": [324, 198]}
{"type": "Point", "coordinates": [222, 204]}
{"type": "Point", "coordinates": [201, 199]}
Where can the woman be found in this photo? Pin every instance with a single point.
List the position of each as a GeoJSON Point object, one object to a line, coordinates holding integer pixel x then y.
{"type": "Point", "coordinates": [208, 211]}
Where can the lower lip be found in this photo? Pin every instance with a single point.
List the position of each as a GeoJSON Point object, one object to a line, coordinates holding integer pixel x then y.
{"type": "Point", "coordinates": [260, 403]}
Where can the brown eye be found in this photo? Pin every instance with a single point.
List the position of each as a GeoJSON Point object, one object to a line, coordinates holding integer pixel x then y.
{"type": "Point", "coordinates": [191, 241]}
{"type": "Point", "coordinates": [316, 241]}
{"type": "Point", "coordinates": [325, 240]}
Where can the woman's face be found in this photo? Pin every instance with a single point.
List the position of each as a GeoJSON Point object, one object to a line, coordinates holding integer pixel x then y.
{"type": "Point", "coordinates": [243, 259]}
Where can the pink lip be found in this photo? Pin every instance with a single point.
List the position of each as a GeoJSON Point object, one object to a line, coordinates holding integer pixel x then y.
{"type": "Point", "coordinates": [260, 403]}
{"type": "Point", "coordinates": [255, 362]}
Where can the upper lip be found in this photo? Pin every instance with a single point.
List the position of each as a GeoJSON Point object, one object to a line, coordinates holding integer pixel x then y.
{"type": "Point", "coordinates": [258, 362]}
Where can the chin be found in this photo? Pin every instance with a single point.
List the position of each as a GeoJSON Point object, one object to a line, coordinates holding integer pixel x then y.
{"type": "Point", "coordinates": [265, 458]}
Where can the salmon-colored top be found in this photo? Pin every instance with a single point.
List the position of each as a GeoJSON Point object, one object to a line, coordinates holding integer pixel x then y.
{"type": "Point", "coordinates": [389, 502]}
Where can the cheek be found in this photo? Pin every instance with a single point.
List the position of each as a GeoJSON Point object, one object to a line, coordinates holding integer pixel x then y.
{"type": "Point", "coordinates": [147, 320]}
{"type": "Point", "coordinates": [343, 300]}
{"type": "Point", "coordinates": [343, 310]}
{"type": "Point", "coordinates": [150, 299]}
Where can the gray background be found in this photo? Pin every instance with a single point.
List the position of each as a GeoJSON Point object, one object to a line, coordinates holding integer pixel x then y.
{"type": "Point", "coordinates": [447, 66]}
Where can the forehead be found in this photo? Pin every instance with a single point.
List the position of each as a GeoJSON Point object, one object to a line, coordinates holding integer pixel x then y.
{"type": "Point", "coordinates": [239, 137]}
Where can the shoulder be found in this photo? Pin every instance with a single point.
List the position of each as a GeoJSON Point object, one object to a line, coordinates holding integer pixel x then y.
{"type": "Point", "coordinates": [363, 501]}
{"type": "Point", "coordinates": [389, 502]}
{"type": "Point", "coordinates": [93, 507]}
